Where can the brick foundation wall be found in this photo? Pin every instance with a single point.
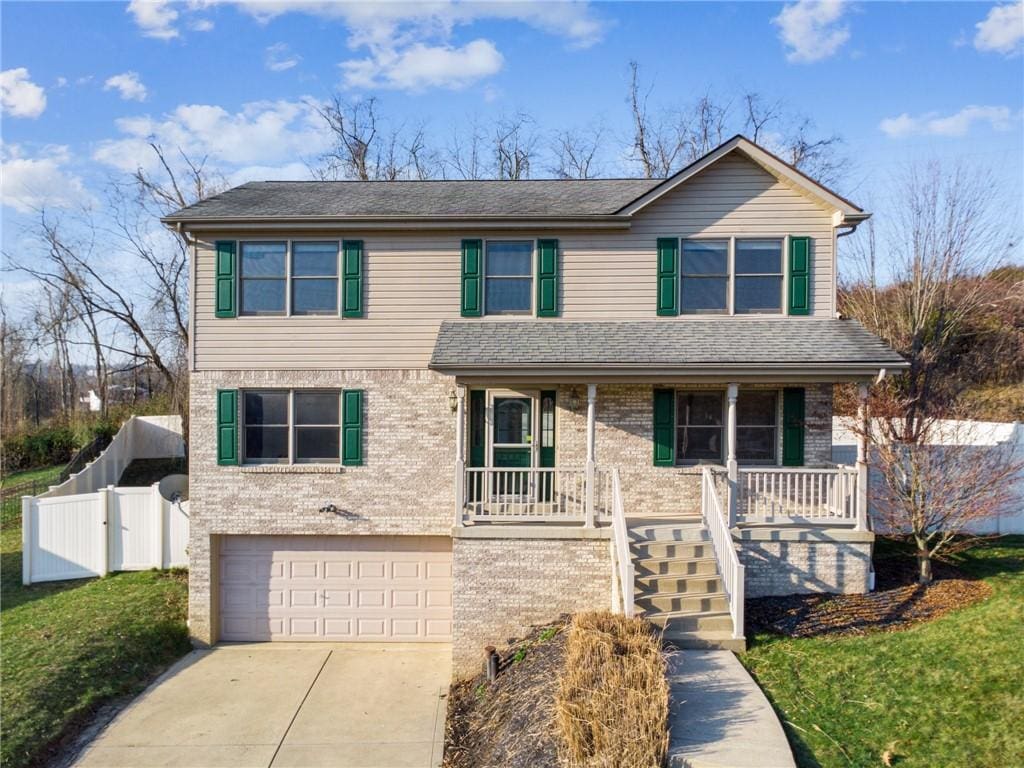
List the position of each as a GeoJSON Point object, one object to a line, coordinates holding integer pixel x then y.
{"type": "Point", "coordinates": [505, 586]}
{"type": "Point", "coordinates": [802, 567]}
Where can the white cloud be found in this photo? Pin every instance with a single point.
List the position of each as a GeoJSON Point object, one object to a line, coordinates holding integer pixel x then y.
{"type": "Point", "coordinates": [424, 66]}
{"type": "Point", "coordinates": [265, 133]}
{"type": "Point", "coordinates": [62, 82]}
{"type": "Point", "coordinates": [201, 25]}
{"type": "Point", "coordinates": [399, 37]}
{"type": "Point", "coordinates": [958, 124]}
{"type": "Point", "coordinates": [278, 57]}
{"type": "Point", "coordinates": [128, 85]}
{"type": "Point", "coordinates": [810, 29]}
{"type": "Point", "coordinates": [31, 183]}
{"type": "Point", "coordinates": [1002, 30]}
{"type": "Point", "coordinates": [19, 96]}
{"type": "Point", "coordinates": [155, 18]}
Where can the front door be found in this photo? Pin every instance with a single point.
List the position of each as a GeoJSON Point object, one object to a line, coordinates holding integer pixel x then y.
{"type": "Point", "coordinates": [512, 444]}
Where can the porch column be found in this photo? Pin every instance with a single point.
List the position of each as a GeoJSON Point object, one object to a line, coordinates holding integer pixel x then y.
{"type": "Point", "coordinates": [732, 392]}
{"type": "Point", "coordinates": [862, 457]}
{"type": "Point", "coordinates": [460, 453]}
{"type": "Point", "coordinates": [588, 521]}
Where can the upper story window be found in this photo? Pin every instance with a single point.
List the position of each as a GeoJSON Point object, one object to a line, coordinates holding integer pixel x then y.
{"type": "Point", "coordinates": [264, 276]}
{"type": "Point", "coordinates": [731, 276]}
{"type": "Point", "coordinates": [282, 278]}
{"type": "Point", "coordinates": [758, 276]}
{"type": "Point", "coordinates": [315, 278]}
{"type": "Point", "coordinates": [508, 277]}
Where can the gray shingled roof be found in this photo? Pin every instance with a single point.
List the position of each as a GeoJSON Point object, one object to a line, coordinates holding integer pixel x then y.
{"type": "Point", "coordinates": [317, 199]}
{"type": "Point", "coordinates": [671, 343]}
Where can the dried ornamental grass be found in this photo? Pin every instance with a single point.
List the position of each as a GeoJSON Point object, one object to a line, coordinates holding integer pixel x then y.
{"type": "Point", "coordinates": [612, 701]}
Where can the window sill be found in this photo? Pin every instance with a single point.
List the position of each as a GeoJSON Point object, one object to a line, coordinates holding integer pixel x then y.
{"type": "Point", "coordinates": [292, 469]}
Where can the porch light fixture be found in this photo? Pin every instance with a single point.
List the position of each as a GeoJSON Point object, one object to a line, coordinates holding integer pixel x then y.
{"type": "Point", "coordinates": [453, 401]}
{"type": "Point", "coordinates": [574, 400]}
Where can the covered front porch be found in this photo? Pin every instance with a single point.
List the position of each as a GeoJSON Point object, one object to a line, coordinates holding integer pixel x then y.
{"type": "Point", "coordinates": [509, 472]}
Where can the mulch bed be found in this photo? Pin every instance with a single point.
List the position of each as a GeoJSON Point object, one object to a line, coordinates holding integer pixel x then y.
{"type": "Point", "coordinates": [509, 723]}
{"type": "Point", "coordinates": [897, 602]}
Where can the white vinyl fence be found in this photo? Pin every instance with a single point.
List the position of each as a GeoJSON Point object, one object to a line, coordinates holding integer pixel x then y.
{"type": "Point", "coordinates": [141, 437]}
{"type": "Point", "coordinates": [112, 529]}
{"type": "Point", "coordinates": [982, 434]}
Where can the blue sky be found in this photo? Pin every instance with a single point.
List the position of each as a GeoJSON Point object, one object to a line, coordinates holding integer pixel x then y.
{"type": "Point", "coordinates": [85, 84]}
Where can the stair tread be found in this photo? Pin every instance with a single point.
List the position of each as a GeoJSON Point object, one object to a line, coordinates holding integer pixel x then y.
{"type": "Point", "coordinates": [701, 595]}
{"type": "Point", "coordinates": [677, 559]}
{"type": "Point", "coordinates": [686, 614]}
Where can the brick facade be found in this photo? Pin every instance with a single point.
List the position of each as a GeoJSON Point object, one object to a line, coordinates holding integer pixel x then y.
{"type": "Point", "coordinates": [406, 487]}
{"type": "Point", "coordinates": [505, 586]}
{"type": "Point", "coordinates": [786, 566]}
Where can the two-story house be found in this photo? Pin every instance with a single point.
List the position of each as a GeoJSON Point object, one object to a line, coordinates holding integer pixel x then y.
{"type": "Point", "coordinates": [445, 410]}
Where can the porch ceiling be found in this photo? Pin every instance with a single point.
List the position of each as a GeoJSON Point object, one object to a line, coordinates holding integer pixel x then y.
{"type": "Point", "coordinates": [760, 348]}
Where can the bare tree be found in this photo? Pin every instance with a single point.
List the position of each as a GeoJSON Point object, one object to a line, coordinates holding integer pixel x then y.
{"type": "Point", "coordinates": [368, 148]}
{"type": "Point", "coordinates": [515, 147]}
{"type": "Point", "coordinates": [14, 349]}
{"type": "Point", "coordinates": [575, 153]}
{"type": "Point", "coordinates": [941, 491]}
{"type": "Point", "coordinates": [760, 115]}
{"type": "Point", "coordinates": [465, 155]}
{"type": "Point", "coordinates": [53, 318]}
{"type": "Point", "coordinates": [945, 232]}
{"type": "Point", "coordinates": [818, 158]}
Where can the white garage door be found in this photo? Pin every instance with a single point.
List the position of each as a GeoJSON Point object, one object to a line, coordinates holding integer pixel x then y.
{"type": "Point", "coordinates": [336, 588]}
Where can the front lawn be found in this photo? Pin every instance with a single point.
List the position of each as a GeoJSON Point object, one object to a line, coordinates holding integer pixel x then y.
{"type": "Point", "coordinates": [71, 646]}
{"type": "Point", "coordinates": [947, 692]}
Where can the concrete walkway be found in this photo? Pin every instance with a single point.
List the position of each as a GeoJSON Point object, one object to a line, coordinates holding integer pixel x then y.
{"type": "Point", "coordinates": [718, 716]}
{"type": "Point", "coordinates": [346, 705]}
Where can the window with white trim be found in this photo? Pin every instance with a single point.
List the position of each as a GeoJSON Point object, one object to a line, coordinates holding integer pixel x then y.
{"type": "Point", "coordinates": [508, 277]}
{"type": "Point", "coordinates": [297, 277]}
{"type": "Point", "coordinates": [291, 426]}
{"type": "Point", "coordinates": [700, 426]}
{"type": "Point", "coordinates": [731, 276]}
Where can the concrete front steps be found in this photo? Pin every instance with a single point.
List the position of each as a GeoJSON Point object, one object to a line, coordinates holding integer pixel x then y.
{"type": "Point", "coordinates": [678, 586]}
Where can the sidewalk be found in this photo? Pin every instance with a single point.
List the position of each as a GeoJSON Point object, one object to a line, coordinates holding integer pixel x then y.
{"type": "Point", "coordinates": [718, 716]}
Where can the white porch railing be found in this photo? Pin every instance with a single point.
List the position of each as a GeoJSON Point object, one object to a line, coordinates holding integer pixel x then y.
{"type": "Point", "coordinates": [534, 494]}
{"type": "Point", "coordinates": [623, 571]}
{"type": "Point", "coordinates": [825, 495]}
{"type": "Point", "coordinates": [732, 572]}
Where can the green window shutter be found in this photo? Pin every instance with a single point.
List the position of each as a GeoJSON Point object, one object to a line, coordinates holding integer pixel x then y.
{"type": "Point", "coordinates": [352, 428]}
{"type": "Point", "coordinates": [477, 427]}
{"type": "Point", "coordinates": [793, 427]}
{"type": "Point", "coordinates": [664, 427]}
{"type": "Point", "coordinates": [227, 427]}
{"type": "Point", "coordinates": [224, 279]}
{"type": "Point", "coordinates": [668, 276]}
{"type": "Point", "coordinates": [472, 278]}
{"type": "Point", "coordinates": [352, 278]}
{"type": "Point", "coordinates": [799, 275]}
{"type": "Point", "coordinates": [547, 278]}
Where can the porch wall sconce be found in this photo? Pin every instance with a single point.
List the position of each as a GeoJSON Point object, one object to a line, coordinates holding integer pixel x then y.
{"type": "Point", "coordinates": [453, 401]}
{"type": "Point", "coordinates": [574, 400]}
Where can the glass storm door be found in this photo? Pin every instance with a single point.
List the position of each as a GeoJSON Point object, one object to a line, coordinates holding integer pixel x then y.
{"type": "Point", "coordinates": [512, 445]}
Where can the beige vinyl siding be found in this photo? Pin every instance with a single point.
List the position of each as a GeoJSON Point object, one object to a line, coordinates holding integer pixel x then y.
{"type": "Point", "coordinates": [411, 281]}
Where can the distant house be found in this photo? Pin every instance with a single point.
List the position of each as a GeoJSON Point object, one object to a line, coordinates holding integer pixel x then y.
{"type": "Point", "coordinates": [445, 410]}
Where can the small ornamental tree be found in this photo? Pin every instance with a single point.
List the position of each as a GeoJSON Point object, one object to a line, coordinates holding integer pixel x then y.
{"type": "Point", "coordinates": [940, 485]}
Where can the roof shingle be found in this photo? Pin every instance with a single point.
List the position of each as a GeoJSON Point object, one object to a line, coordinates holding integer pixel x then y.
{"type": "Point", "coordinates": [342, 199]}
{"type": "Point", "coordinates": [660, 344]}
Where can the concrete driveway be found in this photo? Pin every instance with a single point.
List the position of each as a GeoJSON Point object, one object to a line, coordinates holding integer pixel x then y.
{"type": "Point", "coordinates": [287, 704]}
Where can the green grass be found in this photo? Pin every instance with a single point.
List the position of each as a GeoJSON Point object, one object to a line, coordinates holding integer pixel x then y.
{"type": "Point", "coordinates": [40, 475]}
{"type": "Point", "coordinates": [945, 693]}
{"type": "Point", "coordinates": [71, 646]}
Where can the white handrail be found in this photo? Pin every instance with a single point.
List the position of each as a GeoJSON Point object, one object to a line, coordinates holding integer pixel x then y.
{"type": "Point", "coordinates": [733, 573]}
{"type": "Point", "coordinates": [623, 571]}
{"type": "Point", "coordinates": [800, 492]}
